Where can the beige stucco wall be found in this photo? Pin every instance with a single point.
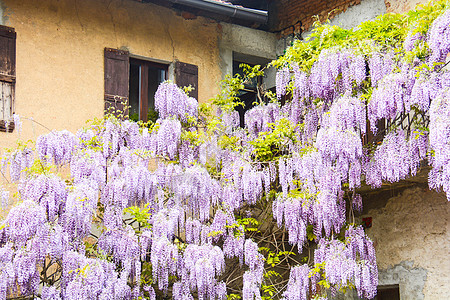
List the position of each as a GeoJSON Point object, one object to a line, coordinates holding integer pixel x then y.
{"type": "Point", "coordinates": [412, 241]}
{"type": "Point", "coordinates": [60, 43]}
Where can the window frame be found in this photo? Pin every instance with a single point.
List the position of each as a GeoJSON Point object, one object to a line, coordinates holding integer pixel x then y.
{"type": "Point", "coordinates": [143, 84]}
{"type": "Point", "coordinates": [8, 37]}
{"type": "Point", "coordinates": [117, 79]}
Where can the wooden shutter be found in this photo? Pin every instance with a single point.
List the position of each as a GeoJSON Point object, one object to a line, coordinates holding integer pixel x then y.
{"type": "Point", "coordinates": [7, 77]}
{"type": "Point", "coordinates": [185, 75]}
{"type": "Point", "coordinates": [117, 72]}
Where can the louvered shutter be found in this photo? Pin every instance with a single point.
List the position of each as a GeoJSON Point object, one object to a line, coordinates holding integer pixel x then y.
{"type": "Point", "coordinates": [185, 75]}
{"type": "Point", "coordinates": [117, 70]}
{"type": "Point", "coordinates": [7, 76]}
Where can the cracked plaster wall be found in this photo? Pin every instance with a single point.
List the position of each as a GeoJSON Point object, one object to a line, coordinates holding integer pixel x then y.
{"type": "Point", "coordinates": [60, 63]}
{"type": "Point", "coordinates": [412, 243]}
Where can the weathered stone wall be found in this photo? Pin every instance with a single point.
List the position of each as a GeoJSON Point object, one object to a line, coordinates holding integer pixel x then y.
{"type": "Point", "coordinates": [412, 241]}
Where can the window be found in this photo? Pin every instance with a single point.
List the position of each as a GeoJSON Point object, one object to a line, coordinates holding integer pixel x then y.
{"type": "Point", "coordinates": [388, 292]}
{"type": "Point", "coordinates": [145, 77]}
{"type": "Point", "coordinates": [249, 95]}
{"type": "Point", "coordinates": [7, 77]}
{"type": "Point", "coordinates": [132, 83]}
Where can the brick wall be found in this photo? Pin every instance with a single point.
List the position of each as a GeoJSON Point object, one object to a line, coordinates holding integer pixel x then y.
{"type": "Point", "coordinates": [300, 13]}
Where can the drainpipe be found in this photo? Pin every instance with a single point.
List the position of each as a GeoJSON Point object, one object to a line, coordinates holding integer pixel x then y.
{"type": "Point", "coordinates": [237, 12]}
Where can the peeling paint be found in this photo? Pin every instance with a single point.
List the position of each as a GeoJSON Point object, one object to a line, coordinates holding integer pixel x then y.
{"type": "Point", "coordinates": [410, 235]}
{"type": "Point", "coordinates": [411, 279]}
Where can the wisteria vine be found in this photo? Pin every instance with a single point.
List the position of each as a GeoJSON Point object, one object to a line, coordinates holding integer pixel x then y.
{"type": "Point", "coordinates": [183, 207]}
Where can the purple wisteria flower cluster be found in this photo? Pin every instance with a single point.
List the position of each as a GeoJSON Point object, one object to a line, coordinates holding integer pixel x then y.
{"type": "Point", "coordinates": [350, 261]}
{"type": "Point", "coordinates": [171, 101]}
{"type": "Point", "coordinates": [140, 211]}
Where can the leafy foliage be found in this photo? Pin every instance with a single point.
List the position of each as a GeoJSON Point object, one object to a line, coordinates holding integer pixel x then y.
{"type": "Point", "coordinates": [184, 207]}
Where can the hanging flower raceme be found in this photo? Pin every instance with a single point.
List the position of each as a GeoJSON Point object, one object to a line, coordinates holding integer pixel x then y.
{"type": "Point", "coordinates": [346, 112]}
{"type": "Point", "coordinates": [391, 160]}
{"type": "Point", "coordinates": [19, 161]}
{"type": "Point", "coordinates": [188, 154]}
{"type": "Point", "coordinates": [298, 285]}
{"type": "Point", "coordinates": [389, 99]}
{"type": "Point", "coordinates": [202, 265]}
{"type": "Point", "coordinates": [252, 184]}
{"type": "Point", "coordinates": [294, 212]}
{"type": "Point", "coordinates": [168, 222]}
{"type": "Point", "coordinates": [352, 262]}
{"type": "Point", "coordinates": [50, 293]}
{"type": "Point", "coordinates": [301, 87]}
{"type": "Point", "coordinates": [221, 225]}
{"type": "Point", "coordinates": [282, 81]}
{"type": "Point", "coordinates": [17, 123]}
{"type": "Point", "coordinates": [112, 138]}
{"type": "Point", "coordinates": [24, 222]}
{"type": "Point", "coordinates": [324, 73]}
{"type": "Point", "coordinates": [380, 65]}
{"type": "Point", "coordinates": [140, 185]}
{"type": "Point", "coordinates": [251, 286]}
{"type": "Point", "coordinates": [80, 207]}
{"type": "Point", "coordinates": [362, 249]}
{"type": "Point", "coordinates": [24, 244]}
{"type": "Point", "coordinates": [171, 101]}
{"type": "Point", "coordinates": [413, 40]}
{"type": "Point", "coordinates": [339, 147]}
{"type": "Point", "coordinates": [57, 146]}
{"type": "Point", "coordinates": [7, 271]}
{"type": "Point", "coordinates": [230, 120]}
{"type": "Point", "coordinates": [168, 138]}
{"type": "Point", "coordinates": [439, 38]}
{"type": "Point", "coordinates": [165, 261]}
{"type": "Point", "coordinates": [88, 164]}
{"type": "Point", "coordinates": [259, 118]}
{"type": "Point", "coordinates": [49, 191]}
{"type": "Point", "coordinates": [439, 136]}
{"type": "Point", "coordinates": [123, 246]}
{"type": "Point", "coordinates": [88, 278]}
{"type": "Point", "coordinates": [132, 135]}
{"type": "Point", "coordinates": [193, 229]}
{"type": "Point", "coordinates": [197, 191]}
{"type": "Point", "coordinates": [253, 277]}
{"type": "Point", "coordinates": [338, 139]}
{"type": "Point", "coordinates": [4, 198]}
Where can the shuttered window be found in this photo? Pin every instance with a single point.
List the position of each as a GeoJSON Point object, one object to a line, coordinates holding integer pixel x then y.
{"type": "Point", "coordinates": [132, 83]}
{"type": "Point", "coordinates": [7, 77]}
{"type": "Point", "coordinates": [117, 69]}
{"type": "Point", "coordinates": [185, 75]}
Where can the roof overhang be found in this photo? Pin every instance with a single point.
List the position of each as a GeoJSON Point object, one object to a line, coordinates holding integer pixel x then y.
{"type": "Point", "coordinates": [226, 9]}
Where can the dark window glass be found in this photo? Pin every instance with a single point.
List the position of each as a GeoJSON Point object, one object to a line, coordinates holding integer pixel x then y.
{"type": "Point", "coordinates": [145, 77]}
{"type": "Point", "coordinates": [390, 292]}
